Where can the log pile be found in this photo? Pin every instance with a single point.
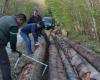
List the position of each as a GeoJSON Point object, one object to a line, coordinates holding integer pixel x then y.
{"type": "Point", "coordinates": [84, 69]}
{"type": "Point", "coordinates": [89, 55]}
{"type": "Point", "coordinates": [67, 61]}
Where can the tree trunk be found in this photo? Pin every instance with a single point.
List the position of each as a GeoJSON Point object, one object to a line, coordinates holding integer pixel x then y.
{"type": "Point", "coordinates": [93, 21]}
{"type": "Point", "coordinates": [5, 7]}
{"type": "Point", "coordinates": [56, 68]}
{"type": "Point", "coordinates": [90, 56]}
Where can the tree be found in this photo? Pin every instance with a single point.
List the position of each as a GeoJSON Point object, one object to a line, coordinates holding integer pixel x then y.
{"type": "Point", "coordinates": [5, 7]}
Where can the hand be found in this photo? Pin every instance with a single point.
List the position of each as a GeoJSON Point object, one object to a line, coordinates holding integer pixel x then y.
{"type": "Point", "coordinates": [37, 44]}
{"type": "Point", "coordinates": [13, 51]}
{"type": "Point", "coordinates": [16, 51]}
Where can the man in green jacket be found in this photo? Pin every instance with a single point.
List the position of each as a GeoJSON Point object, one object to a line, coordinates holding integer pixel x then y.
{"type": "Point", "coordinates": [9, 26]}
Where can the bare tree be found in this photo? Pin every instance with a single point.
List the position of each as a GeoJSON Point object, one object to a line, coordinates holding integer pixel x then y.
{"type": "Point", "coordinates": [5, 7]}
{"type": "Point", "coordinates": [15, 7]}
{"type": "Point", "coordinates": [94, 29]}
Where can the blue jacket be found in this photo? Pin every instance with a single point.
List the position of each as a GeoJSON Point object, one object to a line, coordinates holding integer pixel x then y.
{"type": "Point", "coordinates": [32, 28]}
{"type": "Point", "coordinates": [29, 28]}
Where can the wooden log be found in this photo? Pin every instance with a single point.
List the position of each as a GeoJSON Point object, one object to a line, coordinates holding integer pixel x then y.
{"type": "Point", "coordinates": [80, 66]}
{"type": "Point", "coordinates": [36, 68]}
{"type": "Point", "coordinates": [56, 69]}
{"type": "Point", "coordinates": [89, 55]}
{"type": "Point", "coordinates": [53, 74]}
{"type": "Point", "coordinates": [94, 73]}
{"type": "Point", "coordinates": [69, 69]}
{"type": "Point", "coordinates": [71, 74]}
{"type": "Point", "coordinates": [61, 71]}
{"type": "Point", "coordinates": [84, 70]}
{"type": "Point", "coordinates": [28, 69]}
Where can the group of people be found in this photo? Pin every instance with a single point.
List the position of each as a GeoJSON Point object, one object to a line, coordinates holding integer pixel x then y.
{"type": "Point", "coordinates": [9, 26]}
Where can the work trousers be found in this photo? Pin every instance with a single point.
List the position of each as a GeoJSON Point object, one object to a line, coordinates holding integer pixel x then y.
{"type": "Point", "coordinates": [4, 63]}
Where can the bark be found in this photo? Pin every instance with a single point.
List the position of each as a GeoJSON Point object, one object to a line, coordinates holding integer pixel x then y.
{"type": "Point", "coordinates": [93, 21]}
{"type": "Point", "coordinates": [69, 69]}
{"type": "Point", "coordinates": [53, 75]}
{"type": "Point", "coordinates": [36, 68]}
{"type": "Point", "coordinates": [83, 68]}
{"type": "Point", "coordinates": [89, 55]}
{"type": "Point", "coordinates": [56, 69]}
{"type": "Point", "coordinates": [15, 6]}
{"type": "Point", "coordinates": [80, 66]}
{"type": "Point", "coordinates": [61, 71]}
{"type": "Point", "coordinates": [5, 7]}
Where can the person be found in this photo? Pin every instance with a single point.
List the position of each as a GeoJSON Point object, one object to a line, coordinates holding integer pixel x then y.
{"type": "Point", "coordinates": [35, 17]}
{"type": "Point", "coordinates": [35, 29]}
{"type": "Point", "coordinates": [9, 26]}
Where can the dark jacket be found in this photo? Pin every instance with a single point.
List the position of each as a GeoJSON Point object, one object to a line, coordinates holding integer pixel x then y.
{"type": "Point", "coordinates": [8, 30]}
{"type": "Point", "coordinates": [34, 19]}
{"type": "Point", "coordinates": [32, 28]}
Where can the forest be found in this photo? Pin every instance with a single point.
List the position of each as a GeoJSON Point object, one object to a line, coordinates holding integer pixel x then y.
{"type": "Point", "coordinates": [80, 18]}
{"type": "Point", "coordinates": [61, 43]}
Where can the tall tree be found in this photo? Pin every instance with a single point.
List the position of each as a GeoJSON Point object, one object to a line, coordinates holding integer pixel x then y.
{"type": "Point", "coordinates": [5, 7]}
{"type": "Point", "coordinates": [94, 29]}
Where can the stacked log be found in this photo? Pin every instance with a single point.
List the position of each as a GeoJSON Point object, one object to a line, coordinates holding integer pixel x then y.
{"type": "Point", "coordinates": [82, 68]}
{"type": "Point", "coordinates": [70, 72]}
{"type": "Point", "coordinates": [89, 55]}
{"type": "Point", "coordinates": [85, 70]}
{"type": "Point", "coordinates": [69, 69]}
{"type": "Point", "coordinates": [56, 69]}
{"type": "Point", "coordinates": [52, 64]}
{"type": "Point", "coordinates": [61, 70]}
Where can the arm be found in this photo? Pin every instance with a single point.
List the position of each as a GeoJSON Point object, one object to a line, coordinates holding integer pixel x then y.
{"type": "Point", "coordinates": [34, 33]}
{"type": "Point", "coordinates": [40, 18]}
{"type": "Point", "coordinates": [30, 20]}
{"type": "Point", "coordinates": [13, 38]}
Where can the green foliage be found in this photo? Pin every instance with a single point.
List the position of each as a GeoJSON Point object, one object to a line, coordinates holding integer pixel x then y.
{"type": "Point", "coordinates": [95, 46]}
{"type": "Point", "coordinates": [61, 13]}
{"type": "Point", "coordinates": [22, 6]}
{"type": "Point", "coordinates": [77, 18]}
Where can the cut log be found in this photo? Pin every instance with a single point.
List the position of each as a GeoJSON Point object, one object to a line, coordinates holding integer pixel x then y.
{"type": "Point", "coordinates": [61, 71]}
{"type": "Point", "coordinates": [84, 69]}
{"type": "Point", "coordinates": [89, 55]}
{"type": "Point", "coordinates": [56, 69]}
{"type": "Point", "coordinates": [53, 74]}
{"type": "Point", "coordinates": [69, 69]}
{"type": "Point", "coordinates": [36, 68]}
{"type": "Point", "coordinates": [26, 68]}
{"type": "Point", "coordinates": [80, 66]}
{"type": "Point", "coordinates": [70, 72]}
